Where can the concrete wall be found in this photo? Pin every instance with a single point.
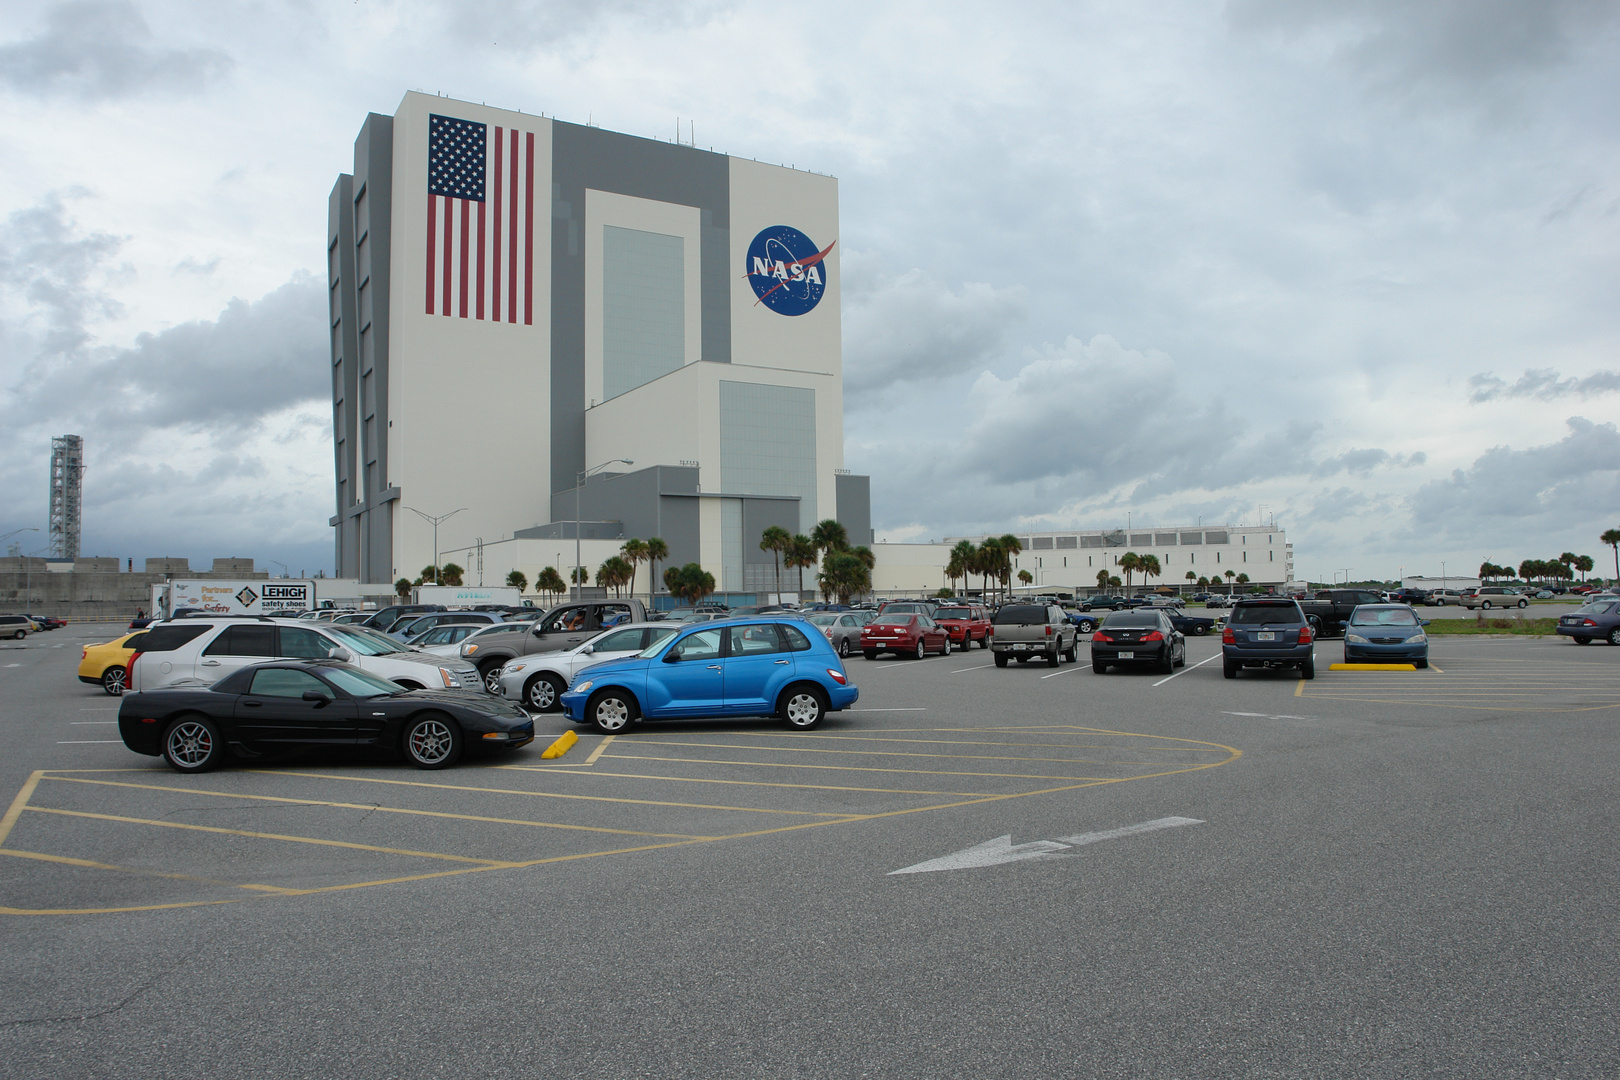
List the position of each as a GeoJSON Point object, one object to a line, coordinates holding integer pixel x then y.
{"type": "Point", "coordinates": [94, 591]}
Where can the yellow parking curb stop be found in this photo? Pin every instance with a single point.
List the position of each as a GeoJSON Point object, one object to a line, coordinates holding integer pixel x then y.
{"type": "Point", "coordinates": [560, 747]}
{"type": "Point", "coordinates": [1372, 667]}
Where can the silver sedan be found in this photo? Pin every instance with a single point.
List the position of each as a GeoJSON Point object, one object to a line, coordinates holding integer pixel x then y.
{"type": "Point", "coordinates": [538, 680]}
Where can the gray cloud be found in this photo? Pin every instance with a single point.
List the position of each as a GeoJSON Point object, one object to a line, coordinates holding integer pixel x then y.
{"type": "Point", "coordinates": [1409, 46]}
{"type": "Point", "coordinates": [542, 23]}
{"type": "Point", "coordinates": [103, 49]}
{"type": "Point", "coordinates": [912, 328]}
{"type": "Point", "coordinates": [1363, 462]}
{"type": "Point", "coordinates": [49, 269]}
{"type": "Point", "coordinates": [1543, 384]}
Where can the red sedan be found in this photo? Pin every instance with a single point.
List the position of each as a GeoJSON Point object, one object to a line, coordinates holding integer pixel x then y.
{"type": "Point", "coordinates": [907, 635]}
{"type": "Point", "coordinates": [966, 624]}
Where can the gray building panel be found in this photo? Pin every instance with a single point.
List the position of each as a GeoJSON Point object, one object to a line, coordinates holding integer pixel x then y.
{"type": "Point", "coordinates": [768, 443]}
{"type": "Point", "coordinates": [854, 509]}
{"type": "Point", "coordinates": [340, 276]}
{"type": "Point", "coordinates": [587, 157]}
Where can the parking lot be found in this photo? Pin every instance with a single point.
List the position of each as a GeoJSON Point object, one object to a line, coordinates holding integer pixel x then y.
{"type": "Point", "coordinates": [1369, 866]}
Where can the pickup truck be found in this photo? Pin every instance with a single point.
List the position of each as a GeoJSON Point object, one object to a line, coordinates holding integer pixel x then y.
{"type": "Point", "coordinates": [1331, 609]}
{"type": "Point", "coordinates": [1026, 631]}
{"type": "Point", "coordinates": [562, 627]}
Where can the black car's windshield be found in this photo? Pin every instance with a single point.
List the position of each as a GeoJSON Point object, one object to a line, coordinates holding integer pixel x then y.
{"type": "Point", "coordinates": [360, 684]}
{"type": "Point", "coordinates": [1255, 614]}
{"type": "Point", "coordinates": [1121, 620]}
{"type": "Point", "coordinates": [365, 641]}
{"type": "Point", "coordinates": [1383, 617]}
{"type": "Point", "coordinates": [953, 613]}
{"type": "Point", "coordinates": [1020, 615]}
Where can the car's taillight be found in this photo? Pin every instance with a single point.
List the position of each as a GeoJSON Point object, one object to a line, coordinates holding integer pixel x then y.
{"type": "Point", "coordinates": [1589, 622]}
{"type": "Point", "coordinates": [1156, 635]}
{"type": "Point", "coordinates": [1100, 636]}
{"type": "Point", "coordinates": [129, 671]}
{"type": "Point", "coordinates": [837, 677]}
{"type": "Point", "coordinates": [990, 631]}
{"type": "Point", "coordinates": [1306, 636]}
{"type": "Point", "coordinates": [1227, 637]}
{"type": "Point", "coordinates": [84, 654]}
{"type": "Point", "coordinates": [1048, 629]}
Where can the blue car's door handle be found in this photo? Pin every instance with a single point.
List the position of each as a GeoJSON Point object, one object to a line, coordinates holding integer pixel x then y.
{"type": "Point", "coordinates": [784, 661]}
{"type": "Point", "coordinates": [714, 667]}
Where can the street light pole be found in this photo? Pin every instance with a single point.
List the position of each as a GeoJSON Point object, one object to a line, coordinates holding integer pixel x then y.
{"type": "Point", "coordinates": [577, 591]}
{"type": "Point", "coordinates": [434, 521]}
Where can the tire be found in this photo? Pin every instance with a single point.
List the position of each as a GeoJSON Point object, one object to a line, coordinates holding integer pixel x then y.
{"type": "Point", "coordinates": [193, 744]}
{"type": "Point", "coordinates": [1183, 661]}
{"type": "Point", "coordinates": [802, 707]}
{"type": "Point", "coordinates": [870, 654]}
{"type": "Point", "coordinates": [1073, 652]}
{"type": "Point", "coordinates": [491, 674]}
{"type": "Point", "coordinates": [1307, 670]}
{"type": "Point", "coordinates": [921, 652]}
{"type": "Point", "coordinates": [1099, 668]}
{"type": "Point", "coordinates": [1440, 603]}
{"type": "Point", "coordinates": [112, 680]}
{"type": "Point", "coordinates": [542, 692]}
{"type": "Point", "coordinates": [1486, 604]}
{"type": "Point", "coordinates": [946, 651]}
{"type": "Point", "coordinates": [432, 742]}
{"type": "Point", "coordinates": [1524, 603]}
{"type": "Point", "coordinates": [1614, 636]}
{"type": "Point", "coordinates": [1420, 664]}
{"type": "Point", "coordinates": [843, 648]}
{"type": "Point", "coordinates": [1583, 641]}
{"type": "Point", "coordinates": [1229, 670]}
{"type": "Point", "coordinates": [19, 635]}
{"type": "Point", "coordinates": [612, 711]}
{"type": "Point", "coordinates": [1086, 626]}
{"type": "Point", "coordinates": [1001, 659]}
{"type": "Point", "coordinates": [1199, 630]}
{"type": "Point", "coordinates": [1167, 666]}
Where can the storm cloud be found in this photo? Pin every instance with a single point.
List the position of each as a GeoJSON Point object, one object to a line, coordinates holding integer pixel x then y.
{"type": "Point", "coordinates": [97, 49]}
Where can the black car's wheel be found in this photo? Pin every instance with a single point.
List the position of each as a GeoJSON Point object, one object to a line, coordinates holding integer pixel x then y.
{"type": "Point", "coordinates": [921, 652]}
{"type": "Point", "coordinates": [1420, 663]}
{"type": "Point", "coordinates": [112, 680]}
{"type": "Point", "coordinates": [1614, 636]}
{"type": "Point", "coordinates": [1229, 670]}
{"type": "Point", "coordinates": [432, 742]}
{"type": "Point", "coordinates": [843, 647]}
{"type": "Point", "coordinates": [192, 744]}
{"type": "Point", "coordinates": [1098, 667]}
{"type": "Point", "coordinates": [611, 711]}
{"type": "Point", "coordinates": [1001, 659]}
{"type": "Point", "coordinates": [1167, 664]}
{"type": "Point", "coordinates": [870, 654]}
{"type": "Point", "coordinates": [1181, 661]}
{"type": "Point", "coordinates": [1199, 629]}
{"type": "Point", "coordinates": [492, 677]}
{"type": "Point", "coordinates": [803, 707]}
{"type": "Point", "coordinates": [542, 691]}
{"type": "Point", "coordinates": [1307, 670]}
{"type": "Point", "coordinates": [1583, 641]}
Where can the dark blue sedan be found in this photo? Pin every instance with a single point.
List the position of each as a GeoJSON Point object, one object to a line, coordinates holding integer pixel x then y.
{"type": "Point", "coordinates": [1598, 619]}
{"type": "Point", "coordinates": [738, 667]}
{"type": "Point", "coordinates": [1386, 633]}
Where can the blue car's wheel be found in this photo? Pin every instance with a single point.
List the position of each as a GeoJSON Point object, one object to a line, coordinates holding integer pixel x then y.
{"type": "Point", "coordinates": [611, 711]}
{"type": "Point", "coordinates": [803, 707]}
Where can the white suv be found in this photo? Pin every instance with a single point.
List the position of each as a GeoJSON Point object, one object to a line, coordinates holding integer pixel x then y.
{"type": "Point", "coordinates": [210, 649]}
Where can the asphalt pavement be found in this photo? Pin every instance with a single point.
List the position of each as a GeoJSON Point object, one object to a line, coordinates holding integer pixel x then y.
{"type": "Point", "coordinates": [1367, 874]}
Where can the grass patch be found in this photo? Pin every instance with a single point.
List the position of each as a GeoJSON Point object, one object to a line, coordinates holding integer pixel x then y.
{"type": "Point", "coordinates": [1483, 625]}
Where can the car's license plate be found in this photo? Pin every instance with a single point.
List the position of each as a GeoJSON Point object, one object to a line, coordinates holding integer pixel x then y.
{"type": "Point", "coordinates": [1020, 646]}
{"type": "Point", "coordinates": [1127, 656]}
{"type": "Point", "coordinates": [1266, 635]}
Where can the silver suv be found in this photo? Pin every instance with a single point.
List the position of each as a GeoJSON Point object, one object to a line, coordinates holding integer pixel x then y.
{"type": "Point", "coordinates": [207, 650]}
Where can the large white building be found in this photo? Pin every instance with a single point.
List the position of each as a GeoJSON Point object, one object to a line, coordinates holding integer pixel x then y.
{"type": "Point", "coordinates": [1069, 561]}
{"type": "Point", "coordinates": [517, 301]}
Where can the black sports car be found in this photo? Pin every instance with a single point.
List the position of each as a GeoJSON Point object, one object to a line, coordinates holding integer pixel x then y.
{"type": "Point", "coordinates": [293, 704]}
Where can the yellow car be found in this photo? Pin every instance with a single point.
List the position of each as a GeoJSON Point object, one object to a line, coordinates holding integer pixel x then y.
{"type": "Point", "coordinates": [107, 665]}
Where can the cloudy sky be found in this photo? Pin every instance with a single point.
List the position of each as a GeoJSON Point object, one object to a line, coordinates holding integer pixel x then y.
{"type": "Point", "coordinates": [1350, 263]}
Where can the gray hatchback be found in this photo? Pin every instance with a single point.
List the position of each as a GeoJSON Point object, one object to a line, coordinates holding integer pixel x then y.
{"type": "Point", "coordinates": [1268, 633]}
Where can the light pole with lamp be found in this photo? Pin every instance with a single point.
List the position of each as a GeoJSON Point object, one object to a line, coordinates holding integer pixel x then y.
{"type": "Point", "coordinates": [284, 571]}
{"type": "Point", "coordinates": [434, 521]}
{"type": "Point", "coordinates": [576, 588]}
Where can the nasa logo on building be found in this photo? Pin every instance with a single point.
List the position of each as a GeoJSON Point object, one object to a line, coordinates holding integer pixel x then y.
{"type": "Point", "coordinates": [788, 273]}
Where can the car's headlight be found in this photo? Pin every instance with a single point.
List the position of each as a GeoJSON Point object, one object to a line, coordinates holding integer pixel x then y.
{"type": "Point", "coordinates": [1419, 638]}
{"type": "Point", "coordinates": [444, 673]}
{"type": "Point", "coordinates": [1357, 638]}
{"type": "Point", "coordinates": [582, 687]}
{"type": "Point", "coordinates": [468, 650]}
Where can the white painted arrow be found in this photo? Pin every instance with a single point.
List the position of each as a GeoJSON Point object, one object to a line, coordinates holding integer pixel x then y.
{"type": "Point", "coordinates": [1003, 850]}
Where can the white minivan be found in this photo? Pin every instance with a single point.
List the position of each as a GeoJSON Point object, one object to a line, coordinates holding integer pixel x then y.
{"type": "Point", "coordinates": [211, 648]}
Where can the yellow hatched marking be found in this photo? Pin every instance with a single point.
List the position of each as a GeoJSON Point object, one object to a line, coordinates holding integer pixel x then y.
{"type": "Point", "coordinates": [89, 864]}
{"type": "Point", "coordinates": [851, 768]}
{"type": "Point", "coordinates": [598, 751]}
{"type": "Point", "coordinates": [544, 794]}
{"type": "Point", "coordinates": [372, 808]}
{"type": "Point", "coordinates": [16, 808]}
{"type": "Point", "coordinates": [775, 784]}
{"type": "Point", "coordinates": [886, 753]}
{"type": "Point", "coordinates": [268, 836]}
{"type": "Point", "coordinates": [955, 742]}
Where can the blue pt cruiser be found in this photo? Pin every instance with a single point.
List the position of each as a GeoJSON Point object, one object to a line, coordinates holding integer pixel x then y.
{"type": "Point", "coordinates": [779, 667]}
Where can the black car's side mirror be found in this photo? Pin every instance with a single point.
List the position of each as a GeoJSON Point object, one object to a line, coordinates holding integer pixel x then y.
{"type": "Point", "coordinates": [317, 697]}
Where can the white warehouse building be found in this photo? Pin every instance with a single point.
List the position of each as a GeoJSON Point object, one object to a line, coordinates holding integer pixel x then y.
{"type": "Point", "coordinates": [517, 302]}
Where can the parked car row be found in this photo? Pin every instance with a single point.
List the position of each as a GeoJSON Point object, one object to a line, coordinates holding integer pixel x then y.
{"type": "Point", "coordinates": [19, 626]}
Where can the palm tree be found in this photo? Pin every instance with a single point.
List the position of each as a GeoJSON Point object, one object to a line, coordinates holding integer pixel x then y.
{"type": "Point", "coordinates": [775, 540]}
{"type": "Point", "coordinates": [1192, 576]}
{"type": "Point", "coordinates": [988, 563]}
{"type": "Point", "coordinates": [1243, 579]}
{"type": "Point", "coordinates": [961, 562]}
{"type": "Point", "coordinates": [1583, 563]}
{"type": "Point", "coordinates": [1149, 566]}
{"type": "Point", "coordinates": [1011, 547]}
{"type": "Point", "coordinates": [1025, 577]}
{"type": "Point", "coordinates": [518, 580]}
{"type": "Point", "coordinates": [830, 535]}
{"type": "Point", "coordinates": [1230, 574]}
{"type": "Point", "coordinates": [800, 556]}
{"type": "Point", "coordinates": [1612, 538]}
{"type": "Point", "coordinates": [550, 582]}
{"type": "Point", "coordinates": [1130, 562]}
{"type": "Point", "coordinates": [1102, 579]}
{"type": "Point", "coordinates": [1113, 581]}
{"type": "Point", "coordinates": [403, 587]}
{"type": "Point", "coordinates": [450, 574]}
{"type": "Point", "coordinates": [657, 552]}
{"type": "Point", "coordinates": [635, 553]}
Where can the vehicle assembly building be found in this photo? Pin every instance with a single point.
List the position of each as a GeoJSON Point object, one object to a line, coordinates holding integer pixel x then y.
{"type": "Point", "coordinates": [521, 307]}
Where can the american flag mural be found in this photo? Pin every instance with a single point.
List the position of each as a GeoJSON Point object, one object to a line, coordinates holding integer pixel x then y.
{"type": "Point", "coordinates": [480, 221]}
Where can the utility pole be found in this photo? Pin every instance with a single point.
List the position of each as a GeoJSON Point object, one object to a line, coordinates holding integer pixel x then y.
{"type": "Point", "coordinates": [434, 521]}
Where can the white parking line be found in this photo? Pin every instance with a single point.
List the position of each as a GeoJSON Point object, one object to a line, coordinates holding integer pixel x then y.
{"type": "Point", "coordinates": [914, 708]}
{"type": "Point", "coordinates": [1065, 671]}
{"type": "Point", "coordinates": [78, 723]}
{"type": "Point", "coordinates": [1184, 671]}
{"type": "Point", "coordinates": [84, 742]}
{"type": "Point", "coordinates": [979, 667]}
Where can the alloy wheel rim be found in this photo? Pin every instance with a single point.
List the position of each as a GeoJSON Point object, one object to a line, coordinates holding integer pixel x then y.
{"type": "Point", "coordinates": [542, 694]}
{"type": "Point", "coordinates": [802, 709]}
{"type": "Point", "coordinates": [114, 681]}
{"type": "Point", "coordinates": [430, 742]}
{"type": "Point", "coordinates": [612, 714]}
{"type": "Point", "coordinates": [190, 744]}
{"type": "Point", "coordinates": [492, 681]}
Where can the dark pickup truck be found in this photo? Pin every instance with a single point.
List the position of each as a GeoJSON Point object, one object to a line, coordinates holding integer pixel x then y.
{"type": "Point", "coordinates": [1331, 609]}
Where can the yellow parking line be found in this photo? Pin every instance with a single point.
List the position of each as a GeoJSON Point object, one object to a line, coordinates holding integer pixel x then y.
{"type": "Point", "coordinates": [111, 910]}
{"type": "Point", "coordinates": [546, 794]}
{"type": "Point", "coordinates": [372, 808]}
{"type": "Point", "coordinates": [853, 768]}
{"type": "Point", "coordinates": [954, 742]}
{"type": "Point", "coordinates": [603, 745]}
{"type": "Point", "coordinates": [88, 864]}
{"type": "Point", "coordinates": [878, 753]}
{"type": "Point", "coordinates": [17, 804]}
{"type": "Point", "coordinates": [772, 784]}
{"type": "Point", "coordinates": [268, 836]}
